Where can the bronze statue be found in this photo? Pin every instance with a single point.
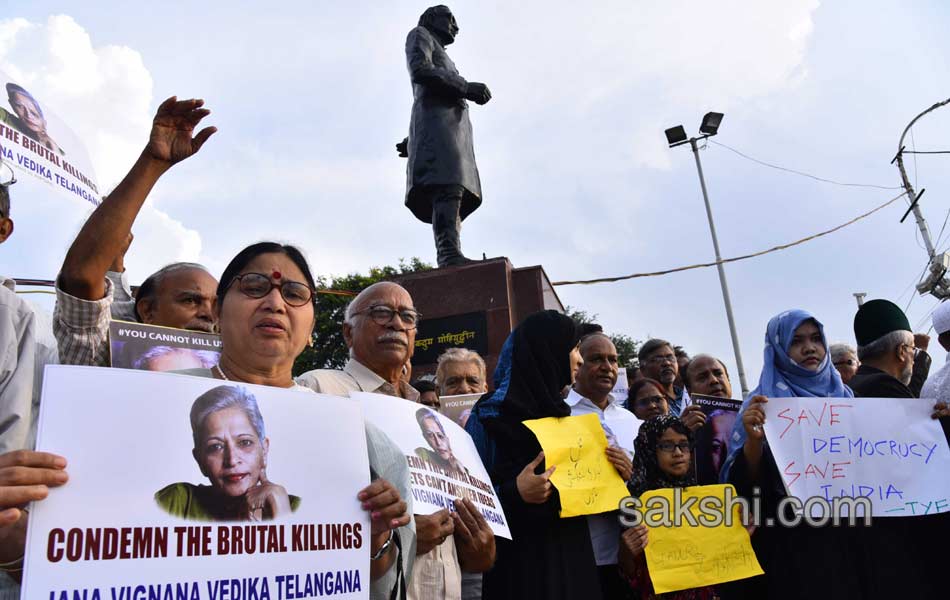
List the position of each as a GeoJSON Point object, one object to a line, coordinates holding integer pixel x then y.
{"type": "Point", "coordinates": [442, 185]}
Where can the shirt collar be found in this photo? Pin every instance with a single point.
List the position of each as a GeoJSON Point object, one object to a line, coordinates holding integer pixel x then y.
{"type": "Point", "coordinates": [573, 399]}
{"type": "Point", "coordinates": [369, 381]}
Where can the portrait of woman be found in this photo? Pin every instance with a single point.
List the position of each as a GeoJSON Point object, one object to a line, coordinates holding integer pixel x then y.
{"type": "Point", "coordinates": [30, 118]}
{"type": "Point", "coordinates": [230, 448]}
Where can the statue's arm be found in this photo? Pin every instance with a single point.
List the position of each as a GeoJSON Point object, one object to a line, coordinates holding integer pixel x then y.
{"type": "Point", "coordinates": [419, 49]}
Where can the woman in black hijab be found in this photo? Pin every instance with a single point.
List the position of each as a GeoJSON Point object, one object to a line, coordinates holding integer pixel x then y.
{"type": "Point", "coordinates": [549, 557]}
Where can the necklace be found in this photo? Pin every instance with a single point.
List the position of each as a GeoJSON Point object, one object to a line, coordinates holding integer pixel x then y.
{"type": "Point", "coordinates": [220, 372]}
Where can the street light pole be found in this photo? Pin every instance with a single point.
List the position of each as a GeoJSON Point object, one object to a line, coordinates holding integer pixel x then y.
{"type": "Point", "coordinates": [722, 271]}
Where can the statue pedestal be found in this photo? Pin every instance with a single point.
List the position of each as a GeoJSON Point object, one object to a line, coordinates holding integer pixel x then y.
{"type": "Point", "coordinates": [474, 306]}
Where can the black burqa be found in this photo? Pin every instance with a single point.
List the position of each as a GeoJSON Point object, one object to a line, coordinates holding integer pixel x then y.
{"type": "Point", "coordinates": [549, 557]}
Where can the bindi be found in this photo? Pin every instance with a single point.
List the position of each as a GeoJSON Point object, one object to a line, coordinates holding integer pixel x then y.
{"type": "Point", "coordinates": [276, 275]}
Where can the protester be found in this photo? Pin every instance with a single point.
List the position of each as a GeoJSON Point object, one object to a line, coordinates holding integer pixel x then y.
{"type": "Point", "coordinates": [548, 557]}
{"type": "Point", "coordinates": [380, 331]}
{"type": "Point", "coordinates": [706, 375]}
{"type": "Point", "coordinates": [795, 363]}
{"type": "Point", "coordinates": [845, 359]}
{"type": "Point", "coordinates": [590, 394]}
{"type": "Point", "coordinates": [662, 453]}
{"type": "Point", "coordinates": [658, 361]}
{"type": "Point", "coordinates": [460, 371]}
{"type": "Point", "coordinates": [938, 384]}
{"type": "Point", "coordinates": [646, 399]}
{"type": "Point", "coordinates": [682, 359]}
{"type": "Point", "coordinates": [179, 295]}
{"type": "Point", "coordinates": [886, 350]}
{"type": "Point", "coordinates": [26, 351]}
{"type": "Point", "coordinates": [428, 393]}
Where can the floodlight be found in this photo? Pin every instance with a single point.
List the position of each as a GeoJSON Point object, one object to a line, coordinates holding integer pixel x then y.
{"type": "Point", "coordinates": [711, 123]}
{"type": "Point", "coordinates": [675, 135]}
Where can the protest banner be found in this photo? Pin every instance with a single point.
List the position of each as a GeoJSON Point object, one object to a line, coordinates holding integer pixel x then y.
{"type": "Point", "coordinates": [137, 518]}
{"type": "Point", "coordinates": [686, 555]}
{"type": "Point", "coordinates": [443, 462]}
{"type": "Point", "coordinates": [888, 450]}
{"type": "Point", "coordinates": [156, 348]}
{"type": "Point", "coordinates": [458, 408]}
{"type": "Point", "coordinates": [585, 480]}
{"type": "Point", "coordinates": [712, 439]}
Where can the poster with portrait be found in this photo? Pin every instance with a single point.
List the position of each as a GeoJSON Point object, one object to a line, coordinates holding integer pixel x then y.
{"type": "Point", "coordinates": [443, 462]}
{"type": "Point", "coordinates": [458, 408]}
{"type": "Point", "coordinates": [196, 487]}
{"type": "Point", "coordinates": [712, 439]}
{"type": "Point", "coordinates": [156, 348]}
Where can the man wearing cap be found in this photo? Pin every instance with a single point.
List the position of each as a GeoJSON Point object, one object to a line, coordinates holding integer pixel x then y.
{"type": "Point", "coordinates": [887, 353]}
{"type": "Point", "coordinates": [938, 386]}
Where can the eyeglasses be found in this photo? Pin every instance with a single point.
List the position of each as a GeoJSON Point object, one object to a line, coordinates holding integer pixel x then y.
{"type": "Point", "coordinates": [659, 360]}
{"type": "Point", "coordinates": [434, 435]}
{"type": "Point", "coordinates": [850, 362]}
{"type": "Point", "coordinates": [384, 315]}
{"type": "Point", "coordinates": [258, 285]}
{"type": "Point", "coordinates": [650, 401]}
{"type": "Point", "coordinates": [669, 447]}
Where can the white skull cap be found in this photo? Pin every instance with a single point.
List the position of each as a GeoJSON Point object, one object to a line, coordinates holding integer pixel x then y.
{"type": "Point", "coordinates": [942, 318]}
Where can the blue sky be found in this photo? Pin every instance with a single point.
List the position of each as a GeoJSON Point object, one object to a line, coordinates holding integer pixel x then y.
{"type": "Point", "coordinates": [309, 100]}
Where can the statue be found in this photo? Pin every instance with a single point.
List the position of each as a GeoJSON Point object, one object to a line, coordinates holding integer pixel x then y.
{"type": "Point", "coordinates": [442, 185]}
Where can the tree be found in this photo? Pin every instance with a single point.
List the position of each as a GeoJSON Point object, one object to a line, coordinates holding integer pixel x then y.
{"type": "Point", "coordinates": [627, 347]}
{"type": "Point", "coordinates": [329, 350]}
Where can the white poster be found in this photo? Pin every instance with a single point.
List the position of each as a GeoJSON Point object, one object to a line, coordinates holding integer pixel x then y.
{"type": "Point", "coordinates": [443, 462]}
{"type": "Point", "coordinates": [185, 487]}
{"type": "Point", "coordinates": [886, 449]}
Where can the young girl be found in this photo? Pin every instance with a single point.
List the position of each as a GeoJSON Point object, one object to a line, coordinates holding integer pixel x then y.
{"type": "Point", "coordinates": [662, 459]}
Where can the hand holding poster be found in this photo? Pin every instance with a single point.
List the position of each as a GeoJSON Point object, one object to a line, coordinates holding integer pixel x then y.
{"type": "Point", "coordinates": [691, 553]}
{"type": "Point", "coordinates": [192, 487]}
{"type": "Point", "coordinates": [888, 450]}
{"type": "Point", "coordinates": [585, 480]}
{"type": "Point", "coordinates": [443, 462]}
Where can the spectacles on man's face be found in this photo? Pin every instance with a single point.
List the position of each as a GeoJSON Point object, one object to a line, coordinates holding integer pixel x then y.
{"type": "Point", "coordinates": [383, 315]}
{"type": "Point", "coordinates": [258, 285]}
{"type": "Point", "coordinates": [665, 358]}
{"type": "Point", "coordinates": [850, 362]}
{"type": "Point", "coordinates": [670, 447]}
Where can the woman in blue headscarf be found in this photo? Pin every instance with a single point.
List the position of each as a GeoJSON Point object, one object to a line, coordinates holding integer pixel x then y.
{"type": "Point", "coordinates": [796, 364]}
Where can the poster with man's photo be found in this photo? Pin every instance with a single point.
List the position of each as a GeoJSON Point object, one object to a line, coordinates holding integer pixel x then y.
{"type": "Point", "coordinates": [156, 348]}
{"type": "Point", "coordinates": [712, 439]}
{"type": "Point", "coordinates": [443, 462]}
{"type": "Point", "coordinates": [458, 408]}
{"type": "Point", "coordinates": [198, 488]}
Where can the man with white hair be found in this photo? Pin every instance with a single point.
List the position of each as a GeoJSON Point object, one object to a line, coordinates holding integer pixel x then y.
{"type": "Point", "coordinates": [460, 371]}
{"type": "Point", "coordinates": [845, 359]}
{"type": "Point", "coordinates": [380, 330]}
{"type": "Point", "coordinates": [938, 385]}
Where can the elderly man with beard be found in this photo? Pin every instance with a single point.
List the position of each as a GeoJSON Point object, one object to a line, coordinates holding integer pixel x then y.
{"type": "Point", "coordinates": [90, 290]}
{"type": "Point", "coordinates": [590, 393]}
{"type": "Point", "coordinates": [380, 330]}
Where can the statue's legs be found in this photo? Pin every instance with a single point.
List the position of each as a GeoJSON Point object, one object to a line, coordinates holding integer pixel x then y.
{"type": "Point", "coordinates": [447, 226]}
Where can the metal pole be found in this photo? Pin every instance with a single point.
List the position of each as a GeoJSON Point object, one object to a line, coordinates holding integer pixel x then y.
{"type": "Point", "coordinates": [722, 272]}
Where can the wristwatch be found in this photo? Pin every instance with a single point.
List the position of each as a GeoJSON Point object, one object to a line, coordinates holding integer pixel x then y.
{"type": "Point", "coordinates": [382, 549]}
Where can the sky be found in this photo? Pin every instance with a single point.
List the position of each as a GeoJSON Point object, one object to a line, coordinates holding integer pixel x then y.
{"type": "Point", "coordinates": [310, 99]}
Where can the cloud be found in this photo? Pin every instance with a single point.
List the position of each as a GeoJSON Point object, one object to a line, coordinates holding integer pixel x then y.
{"type": "Point", "coordinates": [104, 93]}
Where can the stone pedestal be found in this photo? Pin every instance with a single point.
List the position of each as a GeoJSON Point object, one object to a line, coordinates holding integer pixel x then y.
{"type": "Point", "coordinates": [474, 306]}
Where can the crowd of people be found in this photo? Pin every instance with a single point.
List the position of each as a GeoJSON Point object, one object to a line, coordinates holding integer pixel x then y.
{"type": "Point", "coordinates": [550, 366]}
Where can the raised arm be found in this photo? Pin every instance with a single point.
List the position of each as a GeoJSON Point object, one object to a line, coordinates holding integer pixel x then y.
{"type": "Point", "coordinates": [104, 234]}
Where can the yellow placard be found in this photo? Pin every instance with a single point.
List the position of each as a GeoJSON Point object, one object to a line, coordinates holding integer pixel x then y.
{"type": "Point", "coordinates": [586, 481]}
{"type": "Point", "coordinates": [682, 556]}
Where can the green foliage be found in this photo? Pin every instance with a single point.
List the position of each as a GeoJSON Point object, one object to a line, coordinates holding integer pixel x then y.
{"type": "Point", "coordinates": [329, 349]}
{"type": "Point", "coordinates": [627, 347]}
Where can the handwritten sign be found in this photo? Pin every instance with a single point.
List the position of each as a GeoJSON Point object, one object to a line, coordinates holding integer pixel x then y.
{"type": "Point", "coordinates": [443, 462]}
{"type": "Point", "coordinates": [888, 450]}
{"type": "Point", "coordinates": [165, 520]}
{"type": "Point", "coordinates": [586, 481]}
{"type": "Point", "coordinates": [691, 555]}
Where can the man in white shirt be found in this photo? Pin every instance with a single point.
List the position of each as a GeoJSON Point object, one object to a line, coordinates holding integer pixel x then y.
{"type": "Point", "coordinates": [380, 331]}
{"type": "Point", "coordinates": [937, 386]}
{"type": "Point", "coordinates": [594, 381]}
